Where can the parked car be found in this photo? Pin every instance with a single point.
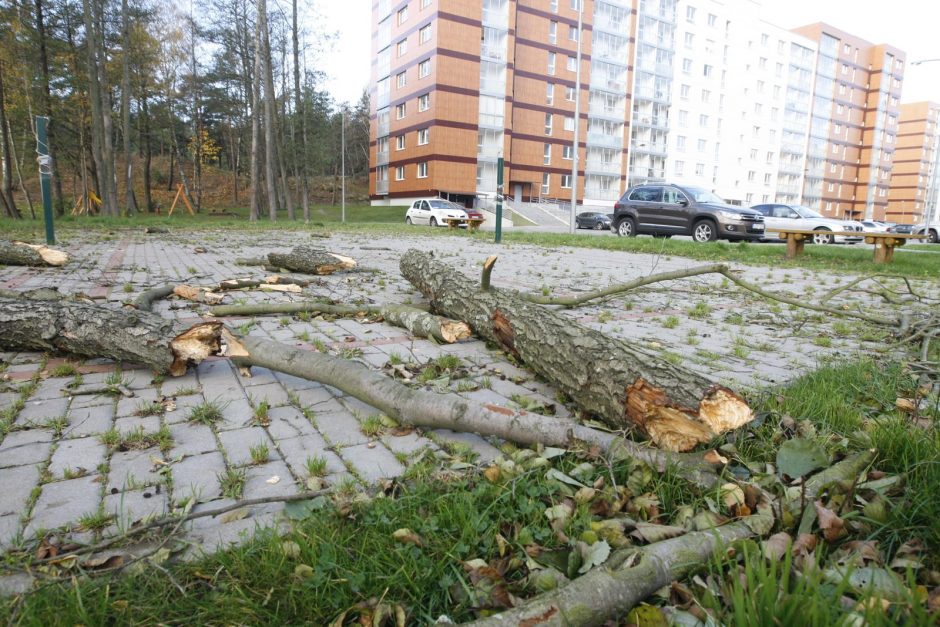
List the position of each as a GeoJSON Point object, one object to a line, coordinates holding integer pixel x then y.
{"type": "Point", "coordinates": [797, 217]}
{"type": "Point", "coordinates": [475, 214]}
{"type": "Point", "coordinates": [904, 229]}
{"type": "Point", "coordinates": [874, 226]}
{"type": "Point", "coordinates": [666, 209]}
{"type": "Point", "coordinates": [592, 220]}
{"type": "Point", "coordinates": [435, 212]}
{"type": "Point", "coordinates": [932, 231]}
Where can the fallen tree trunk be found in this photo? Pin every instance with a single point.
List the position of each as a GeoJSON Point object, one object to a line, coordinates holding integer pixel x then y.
{"type": "Point", "coordinates": [96, 331]}
{"type": "Point", "coordinates": [610, 591]}
{"type": "Point", "coordinates": [21, 254]}
{"type": "Point", "coordinates": [437, 411]}
{"type": "Point", "coordinates": [311, 260]}
{"type": "Point", "coordinates": [419, 322]}
{"type": "Point", "coordinates": [622, 384]}
{"type": "Point", "coordinates": [275, 279]}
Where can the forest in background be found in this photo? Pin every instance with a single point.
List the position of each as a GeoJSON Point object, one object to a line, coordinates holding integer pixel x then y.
{"type": "Point", "coordinates": [144, 95]}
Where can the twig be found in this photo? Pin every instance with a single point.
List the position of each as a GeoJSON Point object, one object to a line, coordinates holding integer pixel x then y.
{"type": "Point", "coordinates": [145, 301]}
{"type": "Point", "coordinates": [487, 271]}
{"type": "Point", "coordinates": [99, 389]}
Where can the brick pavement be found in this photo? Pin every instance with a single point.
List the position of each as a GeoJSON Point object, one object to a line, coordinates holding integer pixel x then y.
{"type": "Point", "coordinates": [58, 470]}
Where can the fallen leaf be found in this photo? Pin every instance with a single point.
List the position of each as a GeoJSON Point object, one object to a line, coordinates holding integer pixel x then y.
{"type": "Point", "coordinates": [407, 536]}
{"type": "Point", "coordinates": [291, 549]}
{"type": "Point", "coordinates": [798, 457]}
{"type": "Point", "coordinates": [714, 457]}
{"type": "Point", "coordinates": [109, 561]}
{"type": "Point", "coordinates": [830, 524]}
{"type": "Point", "coordinates": [906, 405]}
{"type": "Point", "coordinates": [232, 516]}
{"type": "Point", "coordinates": [732, 494]}
{"type": "Point", "coordinates": [648, 532]}
{"type": "Point", "coordinates": [492, 474]}
{"type": "Point", "coordinates": [879, 582]}
{"type": "Point", "coordinates": [594, 555]}
{"type": "Point", "coordinates": [303, 571]}
{"type": "Point", "coordinates": [584, 495]}
{"type": "Point", "coordinates": [775, 547]}
{"type": "Point", "coordinates": [646, 616]}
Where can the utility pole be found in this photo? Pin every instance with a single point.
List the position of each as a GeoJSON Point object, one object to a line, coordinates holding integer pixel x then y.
{"type": "Point", "coordinates": [499, 198]}
{"type": "Point", "coordinates": [577, 124]}
{"type": "Point", "coordinates": [343, 164]}
{"type": "Point", "coordinates": [45, 175]}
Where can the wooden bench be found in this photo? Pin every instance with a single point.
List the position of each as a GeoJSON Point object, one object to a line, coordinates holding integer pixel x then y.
{"type": "Point", "coordinates": [885, 243]}
{"type": "Point", "coordinates": [472, 224]}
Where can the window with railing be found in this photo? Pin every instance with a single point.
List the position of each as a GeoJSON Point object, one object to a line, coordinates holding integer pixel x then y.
{"type": "Point", "coordinates": [382, 123]}
{"type": "Point", "coordinates": [492, 110]}
{"type": "Point", "coordinates": [493, 46]}
{"type": "Point", "coordinates": [496, 12]}
{"type": "Point", "coordinates": [492, 76]}
{"type": "Point", "coordinates": [489, 142]}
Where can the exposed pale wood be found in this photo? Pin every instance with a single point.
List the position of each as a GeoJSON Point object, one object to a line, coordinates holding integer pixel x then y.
{"type": "Point", "coordinates": [309, 260]}
{"type": "Point", "coordinates": [23, 254]}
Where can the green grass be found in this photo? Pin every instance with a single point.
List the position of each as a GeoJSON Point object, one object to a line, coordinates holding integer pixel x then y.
{"type": "Point", "coordinates": [232, 482]}
{"type": "Point", "coordinates": [138, 439]}
{"type": "Point", "coordinates": [316, 466]}
{"type": "Point", "coordinates": [207, 413]}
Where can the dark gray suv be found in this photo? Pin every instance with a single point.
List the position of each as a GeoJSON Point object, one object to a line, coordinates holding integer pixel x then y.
{"type": "Point", "coordinates": [664, 209]}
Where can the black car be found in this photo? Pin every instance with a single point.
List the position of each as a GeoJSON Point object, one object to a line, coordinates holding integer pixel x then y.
{"type": "Point", "coordinates": [905, 229]}
{"type": "Point", "coordinates": [664, 210]}
{"type": "Point", "coordinates": [592, 220]}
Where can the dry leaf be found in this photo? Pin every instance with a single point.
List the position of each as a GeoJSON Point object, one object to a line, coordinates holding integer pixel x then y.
{"type": "Point", "coordinates": [775, 547]}
{"type": "Point", "coordinates": [232, 516]}
{"type": "Point", "coordinates": [830, 524]}
{"type": "Point", "coordinates": [102, 562]}
{"type": "Point", "coordinates": [714, 457]}
{"type": "Point", "coordinates": [732, 494]}
{"type": "Point", "coordinates": [407, 536]}
{"type": "Point", "coordinates": [492, 474]}
{"type": "Point", "coordinates": [906, 404]}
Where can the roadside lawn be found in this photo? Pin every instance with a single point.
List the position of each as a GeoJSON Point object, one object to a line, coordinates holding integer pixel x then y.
{"type": "Point", "coordinates": [451, 540]}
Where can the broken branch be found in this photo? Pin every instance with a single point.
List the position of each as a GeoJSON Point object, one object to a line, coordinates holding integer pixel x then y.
{"type": "Point", "coordinates": [311, 261]}
{"type": "Point", "coordinates": [22, 254]}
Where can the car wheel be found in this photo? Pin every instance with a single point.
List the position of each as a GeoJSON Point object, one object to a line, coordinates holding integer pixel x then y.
{"type": "Point", "coordinates": [704, 231]}
{"type": "Point", "coordinates": [626, 228]}
{"type": "Point", "coordinates": [822, 236]}
{"type": "Point", "coordinates": [408, 221]}
{"type": "Point", "coordinates": [433, 221]}
{"type": "Point", "coordinates": [598, 226]}
{"type": "Point", "coordinates": [932, 236]}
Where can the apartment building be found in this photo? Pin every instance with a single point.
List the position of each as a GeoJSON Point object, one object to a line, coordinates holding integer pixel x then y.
{"type": "Point", "coordinates": [697, 91]}
{"type": "Point", "coordinates": [915, 179]}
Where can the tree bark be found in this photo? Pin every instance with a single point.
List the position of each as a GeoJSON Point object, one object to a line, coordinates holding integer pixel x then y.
{"type": "Point", "coordinates": [52, 133]}
{"type": "Point", "coordinates": [299, 112]}
{"type": "Point", "coordinates": [311, 261]}
{"type": "Point", "coordinates": [622, 384]}
{"type": "Point", "coordinates": [255, 211]}
{"type": "Point", "coordinates": [612, 590]}
{"type": "Point", "coordinates": [96, 331]}
{"type": "Point", "coordinates": [20, 254]}
{"type": "Point", "coordinates": [269, 115]}
{"type": "Point", "coordinates": [6, 190]}
{"type": "Point", "coordinates": [440, 411]}
{"type": "Point", "coordinates": [148, 149]}
{"type": "Point", "coordinates": [130, 203]}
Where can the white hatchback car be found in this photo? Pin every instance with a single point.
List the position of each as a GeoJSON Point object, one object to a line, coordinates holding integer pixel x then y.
{"type": "Point", "coordinates": [434, 212]}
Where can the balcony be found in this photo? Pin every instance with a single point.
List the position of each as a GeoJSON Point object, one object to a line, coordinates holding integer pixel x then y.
{"type": "Point", "coordinates": [382, 129]}
{"type": "Point", "coordinates": [381, 100]}
{"type": "Point", "coordinates": [493, 85]}
{"type": "Point", "coordinates": [381, 187]}
{"type": "Point", "coordinates": [603, 111]}
{"type": "Point", "coordinates": [611, 25]}
{"type": "Point", "coordinates": [610, 53]}
{"type": "Point", "coordinates": [496, 17]}
{"type": "Point", "coordinates": [648, 93]}
{"type": "Point", "coordinates": [605, 82]}
{"type": "Point", "coordinates": [650, 148]}
{"type": "Point", "coordinates": [604, 139]}
{"type": "Point", "coordinates": [489, 151]}
{"type": "Point", "coordinates": [653, 122]}
{"type": "Point", "coordinates": [493, 52]}
{"type": "Point", "coordinates": [381, 158]}
{"type": "Point", "coordinates": [602, 167]}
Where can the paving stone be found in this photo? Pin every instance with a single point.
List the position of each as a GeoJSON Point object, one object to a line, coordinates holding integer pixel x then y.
{"type": "Point", "coordinates": [77, 455]}
{"type": "Point", "coordinates": [289, 422]}
{"type": "Point", "coordinates": [172, 385]}
{"type": "Point", "coordinates": [19, 583]}
{"type": "Point", "coordinates": [223, 535]}
{"type": "Point", "coordinates": [237, 413]}
{"type": "Point", "coordinates": [257, 486]}
{"type": "Point", "coordinates": [52, 388]}
{"type": "Point", "coordinates": [130, 424]}
{"type": "Point", "coordinates": [198, 475]}
{"type": "Point", "coordinates": [39, 411]}
{"type": "Point", "coordinates": [130, 406]}
{"type": "Point", "coordinates": [64, 502]}
{"type": "Point", "coordinates": [372, 464]}
{"type": "Point", "coordinates": [238, 443]}
{"type": "Point", "coordinates": [341, 429]}
{"type": "Point", "coordinates": [259, 376]}
{"type": "Point", "coordinates": [358, 408]}
{"type": "Point", "coordinates": [25, 447]}
{"type": "Point", "coordinates": [485, 451]}
{"type": "Point", "coordinates": [8, 399]}
{"type": "Point", "coordinates": [18, 482]}
{"type": "Point", "coordinates": [10, 526]}
{"type": "Point", "coordinates": [408, 444]}
{"type": "Point", "coordinates": [191, 439]}
{"type": "Point", "coordinates": [291, 382]}
{"type": "Point", "coordinates": [296, 452]}
{"type": "Point", "coordinates": [133, 469]}
{"type": "Point", "coordinates": [89, 420]}
{"type": "Point", "coordinates": [274, 393]}
{"type": "Point", "coordinates": [136, 505]}
{"type": "Point", "coordinates": [312, 397]}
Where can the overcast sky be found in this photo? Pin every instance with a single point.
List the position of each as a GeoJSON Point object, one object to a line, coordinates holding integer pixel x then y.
{"type": "Point", "coordinates": [911, 25]}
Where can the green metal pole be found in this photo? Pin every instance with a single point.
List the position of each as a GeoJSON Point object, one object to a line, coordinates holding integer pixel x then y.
{"type": "Point", "coordinates": [499, 200]}
{"type": "Point", "coordinates": [45, 175]}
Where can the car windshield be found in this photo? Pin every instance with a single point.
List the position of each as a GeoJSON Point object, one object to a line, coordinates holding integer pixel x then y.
{"type": "Point", "coordinates": [443, 204]}
{"type": "Point", "coordinates": [806, 212]}
{"type": "Point", "coordinates": [702, 195]}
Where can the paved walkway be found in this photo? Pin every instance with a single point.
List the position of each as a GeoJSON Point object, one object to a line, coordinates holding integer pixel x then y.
{"type": "Point", "coordinates": [61, 469]}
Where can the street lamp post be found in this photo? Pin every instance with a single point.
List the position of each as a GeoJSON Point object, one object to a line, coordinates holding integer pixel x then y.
{"type": "Point", "coordinates": [577, 124]}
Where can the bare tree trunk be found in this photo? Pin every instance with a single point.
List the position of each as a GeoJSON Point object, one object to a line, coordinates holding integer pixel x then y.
{"type": "Point", "coordinates": [101, 148]}
{"type": "Point", "coordinates": [256, 127]}
{"type": "Point", "coordinates": [196, 115]}
{"type": "Point", "coordinates": [299, 112]}
{"type": "Point", "coordinates": [51, 131]}
{"type": "Point", "coordinates": [6, 191]}
{"type": "Point", "coordinates": [19, 173]}
{"type": "Point", "coordinates": [269, 111]}
{"type": "Point", "coordinates": [148, 150]}
{"type": "Point", "coordinates": [130, 203]}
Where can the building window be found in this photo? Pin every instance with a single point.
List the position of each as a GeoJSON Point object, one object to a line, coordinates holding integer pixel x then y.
{"type": "Point", "coordinates": [712, 18]}
{"type": "Point", "coordinates": [423, 170]}
{"type": "Point", "coordinates": [401, 79]}
{"type": "Point", "coordinates": [424, 135]}
{"type": "Point", "coordinates": [400, 142]}
{"type": "Point", "coordinates": [424, 102]}
{"type": "Point", "coordinates": [424, 68]}
{"type": "Point", "coordinates": [707, 70]}
{"type": "Point", "coordinates": [400, 173]}
{"type": "Point", "coordinates": [683, 118]}
{"type": "Point", "coordinates": [680, 143]}
{"type": "Point", "coordinates": [760, 87]}
{"type": "Point", "coordinates": [689, 39]}
{"type": "Point", "coordinates": [424, 35]}
{"type": "Point", "coordinates": [551, 63]}
{"type": "Point", "coordinates": [381, 173]}
{"type": "Point", "coordinates": [566, 181]}
{"type": "Point", "coordinates": [764, 38]}
{"type": "Point", "coordinates": [553, 5]}
{"type": "Point", "coordinates": [566, 152]}
{"type": "Point", "coordinates": [552, 32]}
{"type": "Point", "coordinates": [402, 47]}
{"type": "Point", "coordinates": [845, 69]}
{"type": "Point", "coordinates": [547, 154]}
{"type": "Point", "coordinates": [706, 95]}
{"type": "Point", "coordinates": [701, 145]}
{"type": "Point", "coordinates": [573, 33]}
{"type": "Point", "coordinates": [680, 166]}
{"type": "Point", "coordinates": [569, 123]}
{"type": "Point", "coordinates": [831, 187]}
{"type": "Point", "coordinates": [545, 181]}
{"type": "Point", "coordinates": [750, 175]}
{"type": "Point", "coordinates": [684, 92]}
{"type": "Point", "coordinates": [425, 4]}
{"type": "Point", "coordinates": [572, 64]}
{"type": "Point", "coordinates": [699, 169]}
{"type": "Point", "coordinates": [549, 93]}
{"type": "Point", "coordinates": [690, 14]}
{"type": "Point", "coordinates": [402, 15]}
{"type": "Point", "coordinates": [703, 120]}
{"type": "Point", "coordinates": [687, 66]}
{"type": "Point", "coordinates": [770, 158]}
{"type": "Point", "coordinates": [400, 111]}
{"type": "Point", "coordinates": [548, 123]}
{"type": "Point", "coordinates": [569, 94]}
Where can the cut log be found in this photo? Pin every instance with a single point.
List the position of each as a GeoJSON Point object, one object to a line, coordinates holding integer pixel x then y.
{"type": "Point", "coordinates": [95, 331]}
{"type": "Point", "coordinates": [198, 294]}
{"type": "Point", "coordinates": [311, 260]}
{"type": "Point", "coordinates": [419, 322]}
{"type": "Point", "coordinates": [611, 591]}
{"type": "Point", "coordinates": [442, 411]}
{"type": "Point", "coordinates": [273, 280]}
{"type": "Point", "coordinates": [622, 384]}
{"type": "Point", "coordinates": [22, 254]}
